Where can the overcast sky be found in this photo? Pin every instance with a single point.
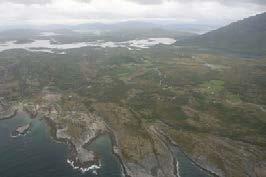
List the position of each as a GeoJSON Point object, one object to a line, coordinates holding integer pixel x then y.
{"type": "Point", "coordinates": [44, 12]}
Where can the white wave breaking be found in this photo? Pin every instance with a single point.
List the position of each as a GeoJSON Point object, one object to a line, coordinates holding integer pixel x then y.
{"type": "Point", "coordinates": [92, 168]}
{"type": "Point", "coordinates": [177, 169]}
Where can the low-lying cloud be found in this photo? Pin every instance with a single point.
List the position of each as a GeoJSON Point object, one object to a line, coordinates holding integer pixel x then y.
{"type": "Point", "coordinates": [43, 12]}
{"type": "Point", "coordinates": [146, 2]}
{"type": "Point", "coordinates": [27, 2]}
{"type": "Point", "coordinates": [231, 2]}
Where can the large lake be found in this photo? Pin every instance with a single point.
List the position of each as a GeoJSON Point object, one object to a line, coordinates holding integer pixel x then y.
{"type": "Point", "coordinates": [37, 155]}
{"type": "Point", "coordinates": [49, 46]}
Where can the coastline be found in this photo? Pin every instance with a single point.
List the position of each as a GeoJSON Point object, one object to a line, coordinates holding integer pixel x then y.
{"type": "Point", "coordinates": [172, 143]}
{"type": "Point", "coordinates": [21, 130]}
{"type": "Point", "coordinates": [95, 164]}
{"type": "Point", "coordinates": [72, 159]}
{"type": "Point", "coordinates": [117, 155]}
{"type": "Point", "coordinates": [116, 152]}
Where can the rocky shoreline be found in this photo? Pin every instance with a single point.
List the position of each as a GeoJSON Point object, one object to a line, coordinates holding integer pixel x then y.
{"type": "Point", "coordinates": [92, 165]}
{"type": "Point", "coordinates": [200, 166]}
{"type": "Point", "coordinates": [92, 161]}
{"type": "Point", "coordinates": [85, 166]}
{"type": "Point", "coordinates": [21, 130]}
{"type": "Point", "coordinates": [92, 168]}
{"type": "Point", "coordinates": [145, 156]}
{"type": "Point", "coordinates": [75, 149]}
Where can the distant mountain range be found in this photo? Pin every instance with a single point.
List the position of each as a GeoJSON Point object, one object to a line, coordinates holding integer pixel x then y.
{"type": "Point", "coordinates": [121, 31]}
{"type": "Point", "coordinates": [133, 24]}
{"type": "Point", "coordinates": [192, 28]}
{"type": "Point", "coordinates": [247, 36]}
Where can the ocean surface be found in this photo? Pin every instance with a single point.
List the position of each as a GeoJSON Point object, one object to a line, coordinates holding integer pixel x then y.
{"type": "Point", "coordinates": [38, 155]}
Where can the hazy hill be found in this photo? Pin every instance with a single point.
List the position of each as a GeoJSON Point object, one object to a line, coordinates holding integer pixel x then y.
{"type": "Point", "coordinates": [122, 31]}
{"type": "Point", "coordinates": [137, 25]}
{"type": "Point", "coordinates": [247, 36]}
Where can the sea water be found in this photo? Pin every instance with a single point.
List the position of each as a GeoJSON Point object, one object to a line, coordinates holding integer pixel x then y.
{"type": "Point", "coordinates": [38, 155]}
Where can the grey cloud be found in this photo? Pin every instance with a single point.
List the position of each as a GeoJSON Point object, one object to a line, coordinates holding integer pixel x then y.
{"type": "Point", "coordinates": [27, 2]}
{"type": "Point", "coordinates": [232, 2]}
{"type": "Point", "coordinates": [84, 1]}
{"type": "Point", "coordinates": [147, 1]}
{"type": "Point", "coordinates": [261, 2]}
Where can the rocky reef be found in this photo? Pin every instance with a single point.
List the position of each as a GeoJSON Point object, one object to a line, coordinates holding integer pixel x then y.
{"type": "Point", "coordinates": [21, 130]}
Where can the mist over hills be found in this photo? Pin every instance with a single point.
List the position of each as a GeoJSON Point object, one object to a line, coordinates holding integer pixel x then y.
{"type": "Point", "coordinates": [121, 31]}
{"type": "Point", "coordinates": [131, 24]}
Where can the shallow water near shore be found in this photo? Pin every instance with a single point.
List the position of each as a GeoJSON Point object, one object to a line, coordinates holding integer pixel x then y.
{"type": "Point", "coordinates": [37, 155]}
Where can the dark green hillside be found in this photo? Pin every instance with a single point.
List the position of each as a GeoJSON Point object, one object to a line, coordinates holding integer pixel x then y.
{"type": "Point", "coordinates": [247, 36]}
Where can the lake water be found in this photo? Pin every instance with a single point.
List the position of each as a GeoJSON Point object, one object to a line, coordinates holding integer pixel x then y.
{"type": "Point", "coordinates": [48, 46]}
{"type": "Point", "coordinates": [37, 155]}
